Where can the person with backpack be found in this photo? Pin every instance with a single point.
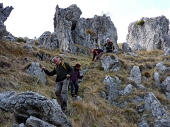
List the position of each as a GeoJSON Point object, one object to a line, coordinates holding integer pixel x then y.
{"type": "Point", "coordinates": [74, 81]}
{"type": "Point", "coordinates": [97, 53]}
{"type": "Point", "coordinates": [109, 45]}
{"type": "Point", "coordinates": [63, 71]}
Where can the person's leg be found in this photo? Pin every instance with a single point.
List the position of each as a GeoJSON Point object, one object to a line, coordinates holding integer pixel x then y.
{"type": "Point", "coordinates": [58, 92]}
{"type": "Point", "coordinates": [72, 88]}
{"type": "Point", "coordinates": [76, 87]}
{"type": "Point", "coordinates": [99, 56]}
{"type": "Point", "coordinates": [64, 93]}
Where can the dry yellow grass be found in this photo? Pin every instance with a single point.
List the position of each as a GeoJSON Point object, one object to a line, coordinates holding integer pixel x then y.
{"type": "Point", "coordinates": [93, 111]}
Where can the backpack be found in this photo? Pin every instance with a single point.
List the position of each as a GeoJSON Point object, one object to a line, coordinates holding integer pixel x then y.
{"type": "Point", "coordinates": [63, 64]}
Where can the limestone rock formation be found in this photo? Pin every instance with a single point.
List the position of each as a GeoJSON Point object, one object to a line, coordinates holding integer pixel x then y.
{"type": "Point", "coordinates": [64, 22]}
{"type": "Point", "coordinates": [91, 32]}
{"type": "Point", "coordinates": [70, 29]}
{"type": "Point", "coordinates": [27, 104]}
{"type": "Point", "coordinates": [149, 34]}
{"type": "Point", "coordinates": [4, 13]}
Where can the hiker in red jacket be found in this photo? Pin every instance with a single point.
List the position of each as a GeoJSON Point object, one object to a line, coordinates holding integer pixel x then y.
{"type": "Point", "coordinates": [97, 53]}
{"type": "Point", "coordinates": [74, 81]}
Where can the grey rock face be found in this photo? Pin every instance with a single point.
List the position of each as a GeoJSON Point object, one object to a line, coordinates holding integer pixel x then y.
{"type": "Point", "coordinates": [27, 104]}
{"type": "Point", "coordinates": [63, 25]}
{"type": "Point", "coordinates": [157, 79]}
{"type": "Point", "coordinates": [34, 69]}
{"type": "Point", "coordinates": [162, 69]}
{"type": "Point", "coordinates": [49, 40]}
{"type": "Point", "coordinates": [4, 14]}
{"type": "Point", "coordinates": [153, 104]}
{"type": "Point", "coordinates": [167, 51]}
{"type": "Point", "coordinates": [135, 75]}
{"type": "Point", "coordinates": [127, 90]}
{"type": "Point", "coordinates": [126, 48]}
{"type": "Point", "coordinates": [112, 87]}
{"type": "Point", "coordinates": [35, 122]}
{"type": "Point", "coordinates": [166, 87]}
{"type": "Point", "coordinates": [110, 64]}
{"type": "Point", "coordinates": [153, 34]}
{"type": "Point", "coordinates": [72, 13]}
{"type": "Point", "coordinates": [92, 32]}
{"type": "Point", "coordinates": [164, 122]}
{"type": "Point", "coordinates": [9, 37]}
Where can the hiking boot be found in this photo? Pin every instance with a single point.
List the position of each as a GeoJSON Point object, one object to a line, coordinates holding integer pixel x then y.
{"type": "Point", "coordinates": [78, 98]}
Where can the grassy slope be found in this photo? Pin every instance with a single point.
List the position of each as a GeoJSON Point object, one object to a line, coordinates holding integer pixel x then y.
{"type": "Point", "coordinates": [93, 111]}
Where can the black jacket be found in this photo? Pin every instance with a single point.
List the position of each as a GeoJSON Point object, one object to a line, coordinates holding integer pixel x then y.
{"type": "Point", "coordinates": [60, 71]}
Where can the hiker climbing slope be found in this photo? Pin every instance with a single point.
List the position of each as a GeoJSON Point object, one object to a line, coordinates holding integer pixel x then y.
{"type": "Point", "coordinates": [109, 45]}
{"type": "Point", "coordinates": [97, 53]}
{"type": "Point", "coordinates": [74, 81]}
{"type": "Point", "coordinates": [63, 71]}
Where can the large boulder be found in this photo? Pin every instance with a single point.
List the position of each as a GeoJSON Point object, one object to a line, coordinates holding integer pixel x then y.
{"type": "Point", "coordinates": [149, 34]}
{"type": "Point", "coordinates": [27, 104]}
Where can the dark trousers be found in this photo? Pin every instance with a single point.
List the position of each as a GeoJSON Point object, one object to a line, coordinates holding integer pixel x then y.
{"type": "Point", "coordinates": [109, 50]}
{"type": "Point", "coordinates": [61, 93]}
{"type": "Point", "coordinates": [74, 87]}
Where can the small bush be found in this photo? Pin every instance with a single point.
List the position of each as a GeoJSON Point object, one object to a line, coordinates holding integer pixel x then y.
{"type": "Point", "coordinates": [141, 22]}
{"type": "Point", "coordinates": [20, 39]}
{"type": "Point", "coordinates": [89, 31]}
{"type": "Point", "coordinates": [146, 74]}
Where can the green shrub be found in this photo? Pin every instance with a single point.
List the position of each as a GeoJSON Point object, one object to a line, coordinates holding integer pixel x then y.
{"type": "Point", "coordinates": [141, 22]}
{"type": "Point", "coordinates": [20, 39]}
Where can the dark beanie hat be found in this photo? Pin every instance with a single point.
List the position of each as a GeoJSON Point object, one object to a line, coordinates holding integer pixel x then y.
{"type": "Point", "coordinates": [77, 65]}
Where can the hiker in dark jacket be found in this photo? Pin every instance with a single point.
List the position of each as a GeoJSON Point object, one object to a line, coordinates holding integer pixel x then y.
{"type": "Point", "coordinates": [97, 53]}
{"type": "Point", "coordinates": [109, 45]}
{"type": "Point", "coordinates": [63, 72]}
{"type": "Point", "coordinates": [74, 81]}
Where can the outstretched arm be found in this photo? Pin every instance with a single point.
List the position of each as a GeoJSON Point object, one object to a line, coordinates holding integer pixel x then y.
{"type": "Point", "coordinates": [53, 72]}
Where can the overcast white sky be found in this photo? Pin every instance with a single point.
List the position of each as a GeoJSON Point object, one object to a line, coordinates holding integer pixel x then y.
{"type": "Point", "coordinates": [31, 18]}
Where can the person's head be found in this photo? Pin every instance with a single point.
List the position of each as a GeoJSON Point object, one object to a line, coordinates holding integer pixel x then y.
{"type": "Point", "coordinates": [56, 60]}
{"type": "Point", "coordinates": [107, 40]}
{"type": "Point", "coordinates": [77, 66]}
{"type": "Point", "coordinates": [92, 51]}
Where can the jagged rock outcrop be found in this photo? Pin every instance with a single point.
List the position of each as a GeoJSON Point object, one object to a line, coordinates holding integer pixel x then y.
{"type": "Point", "coordinates": [4, 14]}
{"type": "Point", "coordinates": [91, 32]}
{"type": "Point", "coordinates": [149, 34]}
{"type": "Point", "coordinates": [64, 22]}
{"type": "Point", "coordinates": [70, 29]}
{"type": "Point", "coordinates": [27, 104]}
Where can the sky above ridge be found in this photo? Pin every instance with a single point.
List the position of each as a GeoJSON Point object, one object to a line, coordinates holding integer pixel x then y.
{"type": "Point", "coordinates": [31, 18]}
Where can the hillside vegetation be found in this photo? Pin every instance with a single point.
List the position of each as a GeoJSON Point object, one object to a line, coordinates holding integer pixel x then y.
{"type": "Point", "coordinates": [93, 111]}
